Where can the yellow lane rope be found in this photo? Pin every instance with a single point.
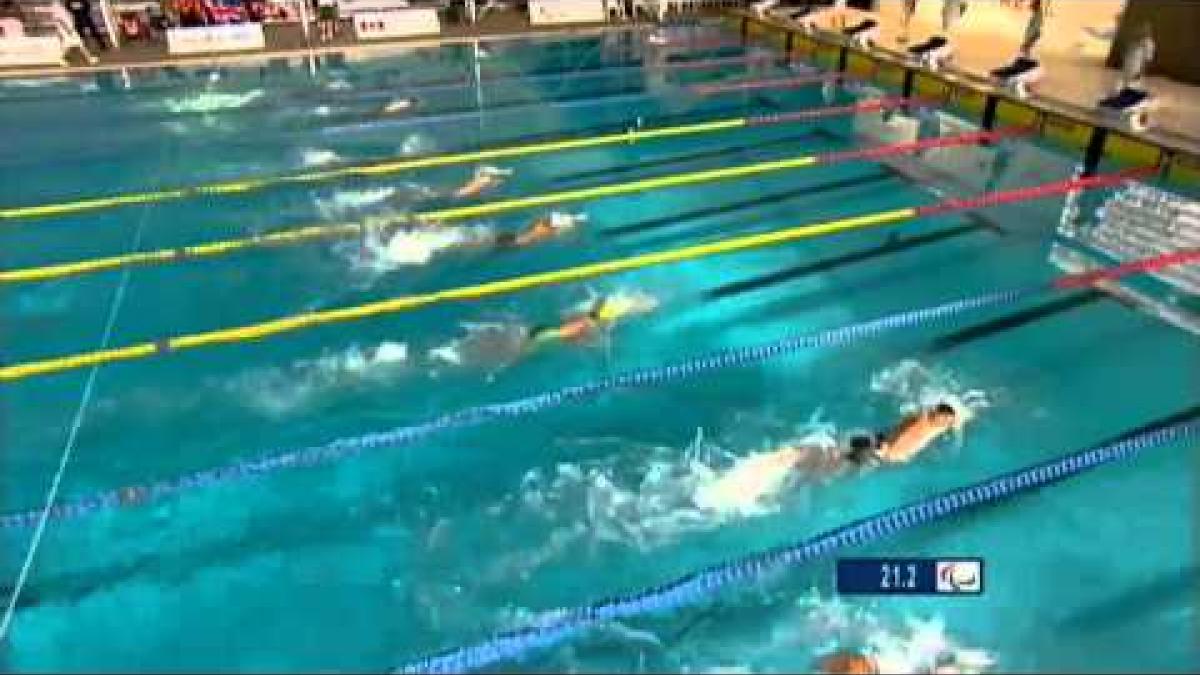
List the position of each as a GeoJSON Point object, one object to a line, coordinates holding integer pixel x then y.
{"type": "Point", "coordinates": [389, 167]}
{"type": "Point", "coordinates": [316, 232]}
{"type": "Point", "coordinates": [677, 180]}
{"type": "Point", "coordinates": [297, 322]}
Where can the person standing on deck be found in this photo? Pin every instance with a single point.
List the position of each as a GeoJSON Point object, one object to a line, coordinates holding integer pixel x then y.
{"type": "Point", "coordinates": [1039, 11]}
{"type": "Point", "coordinates": [908, 12]}
{"type": "Point", "coordinates": [952, 12]}
{"type": "Point", "coordinates": [1137, 58]}
{"type": "Point", "coordinates": [81, 18]}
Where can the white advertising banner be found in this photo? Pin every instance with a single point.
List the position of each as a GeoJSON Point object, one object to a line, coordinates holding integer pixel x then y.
{"type": "Point", "coordinates": [208, 39]}
{"type": "Point", "coordinates": [542, 12]}
{"type": "Point", "coordinates": [30, 51]}
{"type": "Point", "coordinates": [352, 7]}
{"type": "Point", "coordinates": [373, 25]}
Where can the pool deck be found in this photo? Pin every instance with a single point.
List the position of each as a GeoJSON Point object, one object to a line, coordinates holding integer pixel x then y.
{"type": "Point", "coordinates": [1071, 105]}
{"type": "Point", "coordinates": [1073, 50]}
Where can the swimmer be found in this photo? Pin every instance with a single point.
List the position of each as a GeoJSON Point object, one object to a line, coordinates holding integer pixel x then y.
{"type": "Point", "coordinates": [603, 315]}
{"type": "Point", "coordinates": [856, 663]}
{"type": "Point", "coordinates": [400, 105]}
{"type": "Point", "coordinates": [848, 663]}
{"type": "Point", "coordinates": [541, 230]}
{"type": "Point", "coordinates": [753, 478]}
{"type": "Point", "coordinates": [486, 178]}
{"type": "Point", "coordinates": [907, 440]}
{"type": "Point", "coordinates": [499, 345]}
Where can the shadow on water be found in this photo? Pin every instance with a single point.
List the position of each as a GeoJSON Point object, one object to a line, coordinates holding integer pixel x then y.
{"type": "Point", "coordinates": [1015, 320]}
{"type": "Point", "coordinates": [316, 528]}
{"type": "Point", "coordinates": [895, 243]}
{"type": "Point", "coordinates": [675, 219]}
{"type": "Point", "coordinates": [1137, 604]}
{"type": "Point", "coordinates": [624, 169]}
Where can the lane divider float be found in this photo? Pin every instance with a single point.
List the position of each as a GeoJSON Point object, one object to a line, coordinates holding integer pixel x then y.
{"type": "Point", "coordinates": [347, 448]}
{"type": "Point", "coordinates": [387, 167]}
{"type": "Point", "coordinates": [289, 324]}
{"type": "Point", "coordinates": [561, 625]}
{"type": "Point", "coordinates": [342, 230]}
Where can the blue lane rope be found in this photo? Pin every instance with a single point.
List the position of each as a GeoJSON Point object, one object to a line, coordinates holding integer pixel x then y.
{"type": "Point", "coordinates": [347, 448]}
{"type": "Point", "coordinates": [566, 624]}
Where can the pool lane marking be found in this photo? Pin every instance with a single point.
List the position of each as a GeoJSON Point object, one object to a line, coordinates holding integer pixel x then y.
{"type": "Point", "coordinates": [412, 164]}
{"type": "Point", "coordinates": [288, 324]}
{"type": "Point", "coordinates": [441, 216]}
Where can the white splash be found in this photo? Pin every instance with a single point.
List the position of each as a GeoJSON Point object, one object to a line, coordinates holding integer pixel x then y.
{"type": "Point", "coordinates": [897, 644]}
{"type": "Point", "coordinates": [322, 111]}
{"type": "Point", "coordinates": [915, 387]}
{"type": "Point", "coordinates": [418, 245]}
{"type": "Point", "coordinates": [339, 85]}
{"type": "Point", "coordinates": [755, 482]}
{"type": "Point", "coordinates": [490, 346]}
{"type": "Point", "coordinates": [281, 391]}
{"type": "Point", "coordinates": [417, 144]}
{"type": "Point", "coordinates": [640, 498]}
{"type": "Point", "coordinates": [211, 101]}
{"type": "Point", "coordinates": [350, 199]}
{"type": "Point", "coordinates": [318, 157]}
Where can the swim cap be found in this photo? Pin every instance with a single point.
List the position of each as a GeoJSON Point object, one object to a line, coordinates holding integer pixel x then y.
{"type": "Point", "coordinates": [613, 308]}
{"type": "Point", "coordinates": [848, 663]}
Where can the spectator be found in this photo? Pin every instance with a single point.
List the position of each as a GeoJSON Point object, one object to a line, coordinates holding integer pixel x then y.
{"type": "Point", "coordinates": [85, 25]}
{"type": "Point", "coordinates": [952, 11]}
{"type": "Point", "coordinates": [62, 21]}
{"type": "Point", "coordinates": [327, 19]}
{"type": "Point", "coordinates": [1039, 11]}
{"type": "Point", "coordinates": [11, 9]}
{"type": "Point", "coordinates": [1138, 55]}
{"type": "Point", "coordinates": [12, 19]}
{"type": "Point", "coordinates": [909, 11]}
{"type": "Point", "coordinates": [191, 13]}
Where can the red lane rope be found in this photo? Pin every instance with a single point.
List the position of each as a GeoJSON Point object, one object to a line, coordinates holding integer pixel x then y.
{"type": "Point", "coordinates": [721, 61]}
{"type": "Point", "coordinates": [923, 144]}
{"type": "Point", "coordinates": [870, 105]}
{"type": "Point", "coordinates": [1185, 257]}
{"type": "Point", "coordinates": [1034, 192]}
{"type": "Point", "coordinates": [752, 85]}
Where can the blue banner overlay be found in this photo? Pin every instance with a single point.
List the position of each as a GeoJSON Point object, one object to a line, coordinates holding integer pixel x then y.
{"type": "Point", "coordinates": [910, 576]}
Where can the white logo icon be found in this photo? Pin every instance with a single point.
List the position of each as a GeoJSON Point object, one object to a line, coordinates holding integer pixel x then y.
{"type": "Point", "coordinates": [959, 576]}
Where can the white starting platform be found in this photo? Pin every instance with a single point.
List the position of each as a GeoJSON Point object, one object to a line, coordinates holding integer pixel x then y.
{"type": "Point", "coordinates": [1020, 76]}
{"type": "Point", "coordinates": [1129, 106]}
{"type": "Point", "coordinates": [932, 53]}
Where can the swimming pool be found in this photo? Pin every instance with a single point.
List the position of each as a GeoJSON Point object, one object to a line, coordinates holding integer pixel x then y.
{"type": "Point", "coordinates": [363, 564]}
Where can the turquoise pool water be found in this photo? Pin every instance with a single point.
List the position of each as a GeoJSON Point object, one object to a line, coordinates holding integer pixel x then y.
{"type": "Point", "coordinates": [361, 565]}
